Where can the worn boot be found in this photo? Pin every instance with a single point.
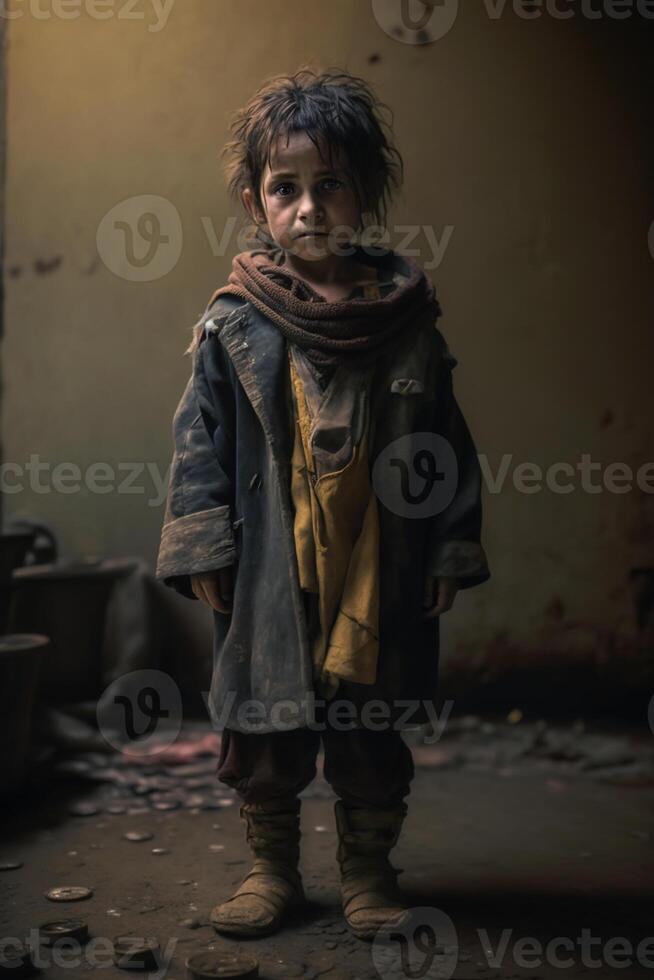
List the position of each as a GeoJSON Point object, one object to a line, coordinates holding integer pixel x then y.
{"type": "Point", "coordinates": [372, 900]}
{"type": "Point", "coordinates": [273, 884]}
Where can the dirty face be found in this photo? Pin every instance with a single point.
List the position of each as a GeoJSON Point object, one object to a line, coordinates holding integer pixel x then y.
{"type": "Point", "coordinates": [310, 208]}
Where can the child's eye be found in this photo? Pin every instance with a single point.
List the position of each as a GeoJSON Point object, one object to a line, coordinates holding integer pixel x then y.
{"type": "Point", "coordinates": [329, 184]}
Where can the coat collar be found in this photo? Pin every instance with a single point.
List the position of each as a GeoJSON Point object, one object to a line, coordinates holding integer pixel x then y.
{"type": "Point", "coordinates": [257, 350]}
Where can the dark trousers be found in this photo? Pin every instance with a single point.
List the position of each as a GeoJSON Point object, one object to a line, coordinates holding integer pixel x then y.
{"type": "Point", "coordinates": [363, 767]}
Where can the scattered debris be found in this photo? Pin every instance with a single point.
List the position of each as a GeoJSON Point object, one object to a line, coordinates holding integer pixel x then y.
{"type": "Point", "coordinates": [279, 969]}
{"type": "Point", "coordinates": [192, 923]}
{"type": "Point", "coordinates": [136, 953]}
{"type": "Point", "coordinates": [133, 785]}
{"type": "Point", "coordinates": [138, 835]}
{"type": "Point", "coordinates": [320, 965]}
{"type": "Point", "coordinates": [473, 743]}
{"type": "Point", "coordinates": [180, 751]}
{"type": "Point", "coordinates": [208, 965]}
{"type": "Point", "coordinates": [183, 776]}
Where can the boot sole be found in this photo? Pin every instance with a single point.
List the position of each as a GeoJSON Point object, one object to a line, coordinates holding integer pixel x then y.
{"type": "Point", "coordinates": [379, 933]}
{"type": "Point", "coordinates": [233, 929]}
{"type": "Point", "coordinates": [247, 932]}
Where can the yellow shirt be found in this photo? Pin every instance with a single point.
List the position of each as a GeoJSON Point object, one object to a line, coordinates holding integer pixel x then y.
{"type": "Point", "coordinates": [336, 524]}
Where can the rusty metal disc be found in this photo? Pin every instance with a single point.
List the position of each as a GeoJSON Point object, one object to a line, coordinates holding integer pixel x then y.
{"type": "Point", "coordinates": [49, 932]}
{"type": "Point", "coordinates": [68, 893]}
{"type": "Point", "coordinates": [10, 865]}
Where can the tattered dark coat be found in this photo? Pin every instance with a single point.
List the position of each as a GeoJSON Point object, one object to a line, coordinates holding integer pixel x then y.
{"type": "Point", "coordinates": [229, 502]}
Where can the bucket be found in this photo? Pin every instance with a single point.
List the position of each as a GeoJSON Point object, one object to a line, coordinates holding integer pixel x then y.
{"type": "Point", "coordinates": [21, 655]}
{"type": "Point", "coordinates": [14, 546]}
{"type": "Point", "coordinates": [68, 603]}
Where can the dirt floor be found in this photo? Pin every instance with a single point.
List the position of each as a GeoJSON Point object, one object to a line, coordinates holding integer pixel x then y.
{"type": "Point", "coordinates": [513, 841]}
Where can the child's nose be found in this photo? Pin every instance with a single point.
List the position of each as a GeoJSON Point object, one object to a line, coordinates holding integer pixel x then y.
{"type": "Point", "coordinates": [310, 206]}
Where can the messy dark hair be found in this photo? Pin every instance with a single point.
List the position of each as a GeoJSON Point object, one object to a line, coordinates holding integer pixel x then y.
{"type": "Point", "coordinates": [339, 112]}
{"type": "Point", "coordinates": [335, 109]}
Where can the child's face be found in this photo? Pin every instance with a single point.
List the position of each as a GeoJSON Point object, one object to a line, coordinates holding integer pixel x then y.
{"type": "Point", "coordinates": [301, 193]}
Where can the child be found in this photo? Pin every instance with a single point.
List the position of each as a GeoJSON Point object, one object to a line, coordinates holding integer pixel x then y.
{"type": "Point", "coordinates": [295, 507]}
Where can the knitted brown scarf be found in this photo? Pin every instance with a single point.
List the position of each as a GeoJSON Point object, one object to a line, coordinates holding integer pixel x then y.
{"type": "Point", "coordinates": [355, 331]}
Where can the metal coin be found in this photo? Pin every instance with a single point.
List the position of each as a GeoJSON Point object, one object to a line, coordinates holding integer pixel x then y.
{"type": "Point", "coordinates": [207, 966]}
{"type": "Point", "coordinates": [138, 835]}
{"type": "Point", "coordinates": [10, 865]}
{"type": "Point", "coordinates": [49, 932]}
{"type": "Point", "coordinates": [68, 893]}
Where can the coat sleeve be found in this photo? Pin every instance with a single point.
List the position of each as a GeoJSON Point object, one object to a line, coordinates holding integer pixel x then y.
{"type": "Point", "coordinates": [454, 546]}
{"type": "Point", "coordinates": [197, 533]}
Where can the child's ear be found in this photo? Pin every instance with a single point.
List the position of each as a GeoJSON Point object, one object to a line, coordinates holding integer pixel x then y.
{"type": "Point", "coordinates": [252, 207]}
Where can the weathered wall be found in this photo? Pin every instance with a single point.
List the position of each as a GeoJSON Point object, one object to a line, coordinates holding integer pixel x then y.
{"type": "Point", "coordinates": [525, 136]}
{"type": "Point", "coordinates": [3, 144]}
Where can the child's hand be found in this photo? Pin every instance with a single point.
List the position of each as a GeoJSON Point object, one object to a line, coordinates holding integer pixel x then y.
{"type": "Point", "coordinates": [216, 589]}
{"type": "Point", "coordinates": [439, 595]}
